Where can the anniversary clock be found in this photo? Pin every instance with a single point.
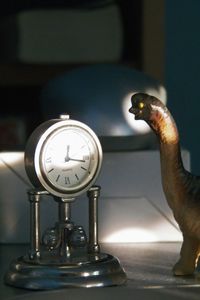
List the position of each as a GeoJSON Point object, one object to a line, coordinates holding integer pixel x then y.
{"type": "Point", "coordinates": [63, 158]}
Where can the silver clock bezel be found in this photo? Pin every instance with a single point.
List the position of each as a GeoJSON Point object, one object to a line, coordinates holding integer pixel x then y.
{"type": "Point", "coordinates": [38, 153]}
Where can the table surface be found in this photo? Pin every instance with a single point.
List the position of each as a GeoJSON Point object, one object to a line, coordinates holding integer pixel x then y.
{"type": "Point", "coordinates": [148, 267]}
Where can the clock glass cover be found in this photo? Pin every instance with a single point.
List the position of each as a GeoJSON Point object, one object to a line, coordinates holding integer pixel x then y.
{"type": "Point", "coordinates": [65, 158]}
{"type": "Point", "coordinates": [69, 159]}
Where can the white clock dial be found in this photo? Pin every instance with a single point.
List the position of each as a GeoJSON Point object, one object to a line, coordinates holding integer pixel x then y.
{"type": "Point", "coordinates": [69, 158]}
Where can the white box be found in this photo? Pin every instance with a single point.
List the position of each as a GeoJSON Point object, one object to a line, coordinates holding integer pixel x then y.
{"type": "Point", "coordinates": [132, 205]}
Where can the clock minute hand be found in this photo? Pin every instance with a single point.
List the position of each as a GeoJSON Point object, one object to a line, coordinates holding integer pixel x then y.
{"type": "Point", "coordinates": [76, 159]}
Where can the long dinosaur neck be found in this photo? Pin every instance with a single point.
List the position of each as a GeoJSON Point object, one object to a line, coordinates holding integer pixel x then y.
{"type": "Point", "coordinates": [172, 168]}
{"type": "Point", "coordinates": [163, 124]}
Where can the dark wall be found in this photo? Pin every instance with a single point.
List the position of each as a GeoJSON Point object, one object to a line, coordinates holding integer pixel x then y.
{"type": "Point", "coordinates": [22, 82]}
{"type": "Point", "coordinates": [182, 75]}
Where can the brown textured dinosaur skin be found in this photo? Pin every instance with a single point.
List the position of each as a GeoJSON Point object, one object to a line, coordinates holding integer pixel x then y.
{"type": "Point", "coordinates": [181, 188]}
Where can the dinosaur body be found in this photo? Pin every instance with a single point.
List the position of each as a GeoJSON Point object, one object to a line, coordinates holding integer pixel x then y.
{"type": "Point", "coordinates": [181, 188]}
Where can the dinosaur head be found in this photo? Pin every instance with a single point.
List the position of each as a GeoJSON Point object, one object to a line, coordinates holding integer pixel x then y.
{"type": "Point", "coordinates": [156, 115]}
{"type": "Point", "coordinates": [143, 106]}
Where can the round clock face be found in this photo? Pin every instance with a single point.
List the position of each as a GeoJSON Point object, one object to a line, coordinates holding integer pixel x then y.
{"type": "Point", "coordinates": [67, 158]}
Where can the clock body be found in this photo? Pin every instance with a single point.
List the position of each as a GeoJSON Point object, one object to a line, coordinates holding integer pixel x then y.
{"type": "Point", "coordinates": [64, 157]}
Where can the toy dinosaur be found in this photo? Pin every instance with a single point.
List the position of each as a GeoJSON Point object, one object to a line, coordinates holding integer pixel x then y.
{"type": "Point", "coordinates": [181, 188]}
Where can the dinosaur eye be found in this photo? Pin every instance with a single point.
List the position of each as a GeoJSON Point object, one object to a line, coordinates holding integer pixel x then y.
{"type": "Point", "coordinates": [140, 105]}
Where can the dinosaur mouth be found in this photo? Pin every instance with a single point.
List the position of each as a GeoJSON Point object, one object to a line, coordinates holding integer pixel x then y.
{"type": "Point", "coordinates": [136, 112]}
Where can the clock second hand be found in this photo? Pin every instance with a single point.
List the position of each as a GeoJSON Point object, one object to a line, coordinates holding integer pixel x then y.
{"type": "Point", "coordinates": [68, 158]}
{"type": "Point", "coordinates": [77, 152]}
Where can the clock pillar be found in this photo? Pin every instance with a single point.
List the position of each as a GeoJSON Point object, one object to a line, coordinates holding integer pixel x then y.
{"type": "Point", "coordinates": [34, 198]}
{"type": "Point", "coordinates": [93, 195]}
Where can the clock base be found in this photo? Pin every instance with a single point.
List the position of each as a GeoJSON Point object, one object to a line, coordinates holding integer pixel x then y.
{"type": "Point", "coordinates": [101, 271]}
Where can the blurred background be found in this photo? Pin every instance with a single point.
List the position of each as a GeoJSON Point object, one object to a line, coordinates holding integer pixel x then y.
{"type": "Point", "coordinates": [86, 58]}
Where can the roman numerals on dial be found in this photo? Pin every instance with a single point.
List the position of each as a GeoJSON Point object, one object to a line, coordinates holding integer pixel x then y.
{"type": "Point", "coordinates": [67, 180]}
{"type": "Point", "coordinates": [70, 159]}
